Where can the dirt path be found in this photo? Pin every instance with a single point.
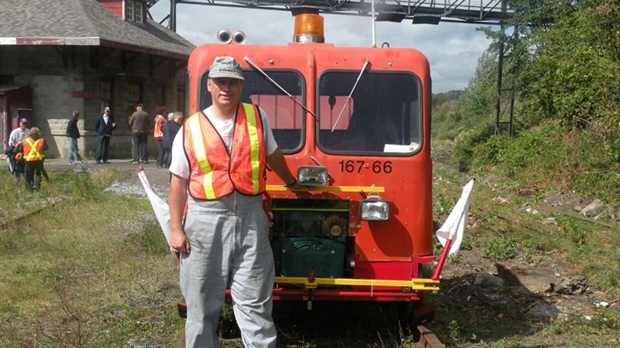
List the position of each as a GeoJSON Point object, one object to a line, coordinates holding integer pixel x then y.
{"type": "Point", "coordinates": [128, 182]}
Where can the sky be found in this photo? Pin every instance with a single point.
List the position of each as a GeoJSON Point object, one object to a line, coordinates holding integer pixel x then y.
{"type": "Point", "coordinates": [452, 49]}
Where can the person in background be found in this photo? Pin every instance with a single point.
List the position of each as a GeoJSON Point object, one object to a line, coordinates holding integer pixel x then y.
{"type": "Point", "coordinates": [104, 126]}
{"type": "Point", "coordinates": [140, 123]}
{"type": "Point", "coordinates": [33, 147]}
{"type": "Point", "coordinates": [158, 132]}
{"type": "Point", "coordinates": [15, 138]}
{"type": "Point", "coordinates": [170, 128]}
{"type": "Point", "coordinates": [225, 237]}
{"type": "Point", "coordinates": [73, 134]}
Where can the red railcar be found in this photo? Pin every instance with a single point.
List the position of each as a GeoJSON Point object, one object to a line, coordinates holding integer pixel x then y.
{"type": "Point", "coordinates": [354, 124]}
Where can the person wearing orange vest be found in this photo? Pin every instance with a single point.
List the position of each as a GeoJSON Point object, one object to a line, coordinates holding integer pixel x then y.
{"type": "Point", "coordinates": [158, 132]}
{"type": "Point", "coordinates": [33, 148]}
{"type": "Point", "coordinates": [218, 172]}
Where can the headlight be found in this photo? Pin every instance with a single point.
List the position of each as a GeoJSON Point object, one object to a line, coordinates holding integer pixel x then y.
{"type": "Point", "coordinates": [312, 175]}
{"type": "Point", "coordinates": [374, 209]}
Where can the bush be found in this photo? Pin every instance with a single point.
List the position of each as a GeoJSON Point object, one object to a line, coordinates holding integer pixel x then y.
{"type": "Point", "coordinates": [582, 160]}
{"type": "Point", "coordinates": [462, 153]}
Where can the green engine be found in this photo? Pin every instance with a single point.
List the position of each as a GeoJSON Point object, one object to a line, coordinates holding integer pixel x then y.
{"type": "Point", "coordinates": [310, 235]}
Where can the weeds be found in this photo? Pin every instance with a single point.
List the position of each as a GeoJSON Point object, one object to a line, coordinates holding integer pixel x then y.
{"type": "Point", "coordinates": [90, 269]}
{"type": "Point", "coordinates": [502, 230]}
{"type": "Point", "coordinates": [498, 248]}
{"type": "Point", "coordinates": [454, 328]}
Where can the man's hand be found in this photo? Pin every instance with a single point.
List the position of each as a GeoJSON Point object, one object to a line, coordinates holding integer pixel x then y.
{"type": "Point", "coordinates": [178, 240]}
{"type": "Point", "coordinates": [294, 186]}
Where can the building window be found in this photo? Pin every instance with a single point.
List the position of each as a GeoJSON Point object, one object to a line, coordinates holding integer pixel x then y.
{"type": "Point", "coordinates": [134, 11]}
{"type": "Point", "coordinates": [161, 95]}
{"type": "Point", "coordinates": [139, 14]}
{"type": "Point", "coordinates": [181, 99]}
{"type": "Point", "coordinates": [7, 79]}
{"type": "Point", "coordinates": [106, 94]}
{"type": "Point", "coordinates": [133, 96]}
{"type": "Point", "coordinates": [129, 6]}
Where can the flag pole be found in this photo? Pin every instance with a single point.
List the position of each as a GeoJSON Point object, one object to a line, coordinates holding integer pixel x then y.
{"type": "Point", "coordinates": [443, 257]}
{"type": "Point", "coordinates": [454, 227]}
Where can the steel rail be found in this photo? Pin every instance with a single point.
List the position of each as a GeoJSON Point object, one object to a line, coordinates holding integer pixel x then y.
{"type": "Point", "coordinates": [427, 339]}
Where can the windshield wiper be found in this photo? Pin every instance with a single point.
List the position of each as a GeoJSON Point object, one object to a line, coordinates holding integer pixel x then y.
{"type": "Point", "coordinates": [276, 85]}
{"type": "Point", "coordinates": [350, 94]}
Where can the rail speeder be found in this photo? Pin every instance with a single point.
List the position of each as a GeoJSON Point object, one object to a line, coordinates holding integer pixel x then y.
{"type": "Point", "coordinates": [354, 124]}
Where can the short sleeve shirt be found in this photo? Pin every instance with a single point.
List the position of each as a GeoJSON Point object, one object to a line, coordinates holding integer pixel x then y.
{"type": "Point", "coordinates": [17, 135]}
{"type": "Point", "coordinates": [179, 164]}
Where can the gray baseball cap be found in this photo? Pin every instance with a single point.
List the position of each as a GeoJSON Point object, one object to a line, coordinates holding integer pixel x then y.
{"type": "Point", "coordinates": [225, 67]}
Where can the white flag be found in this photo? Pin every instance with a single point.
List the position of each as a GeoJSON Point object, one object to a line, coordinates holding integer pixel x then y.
{"type": "Point", "coordinates": [160, 207]}
{"type": "Point", "coordinates": [454, 226]}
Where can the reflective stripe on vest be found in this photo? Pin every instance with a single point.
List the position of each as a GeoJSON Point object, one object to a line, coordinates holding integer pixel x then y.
{"type": "Point", "coordinates": [254, 150]}
{"type": "Point", "coordinates": [33, 150]}
{"type": "Point", "coordinates": [213, 172]}
{"type": "Point", "coordinates": [158, 133]}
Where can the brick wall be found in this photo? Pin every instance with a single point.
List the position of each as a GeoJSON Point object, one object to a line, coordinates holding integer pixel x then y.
{"type": "Point", "coordinates": [55, 78]}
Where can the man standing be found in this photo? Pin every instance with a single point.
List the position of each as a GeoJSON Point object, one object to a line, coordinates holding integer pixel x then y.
{"type": "Point", "coordinates": [218, 168]}
{"type": "Point", "coordinates": [73, 134]}
{"type": "Point", "coordinates": [170, 128]}
{"type": "Point", "coordinates": [140, 123]}
{"type": "Point", "coordinates": [15, 138]}
{"type": "Point", "coordinates": [104, 126]}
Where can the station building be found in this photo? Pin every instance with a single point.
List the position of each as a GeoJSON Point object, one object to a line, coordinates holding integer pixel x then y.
{"type": "Point", "coordinates": [60, 56]}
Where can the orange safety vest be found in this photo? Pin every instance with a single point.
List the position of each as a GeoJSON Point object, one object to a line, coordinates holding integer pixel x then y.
{"type": "Point", "coordinates": [213, 172]}
{"type": "Point", "coordinates": [33, 149]}
{"type": "Point", "coordinates": [158, 132]}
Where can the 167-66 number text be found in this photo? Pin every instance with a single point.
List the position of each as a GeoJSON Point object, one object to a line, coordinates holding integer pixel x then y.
{"type": "Point", "coordinates": [377, 167]}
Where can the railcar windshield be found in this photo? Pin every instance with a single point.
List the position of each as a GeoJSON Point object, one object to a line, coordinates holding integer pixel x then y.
{"type": "Point", "coordinates": [285, 116]}
{"type": "Point", "coordinates": [383, 115]}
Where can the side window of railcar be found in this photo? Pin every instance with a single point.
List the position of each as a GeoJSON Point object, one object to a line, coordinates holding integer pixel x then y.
{"type": "Point", "coordinates": [383, 115]}
{"type": "Point", "coordinates": [285, 116]}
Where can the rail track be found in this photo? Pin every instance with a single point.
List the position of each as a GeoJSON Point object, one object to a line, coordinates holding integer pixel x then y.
{"type": "Point", "coordinates": [50, 203]}
{"type": "Point", "coordinates": [426, 339]}
{"type": "Point", "coordinates": [159, 178]}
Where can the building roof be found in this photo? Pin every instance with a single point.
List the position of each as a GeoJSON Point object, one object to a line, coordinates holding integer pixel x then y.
{"type": "Point", "coordinates": [84, 23]}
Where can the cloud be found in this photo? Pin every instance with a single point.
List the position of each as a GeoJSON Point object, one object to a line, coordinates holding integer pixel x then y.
{"type": "Point", "coordinates": [452, 49]}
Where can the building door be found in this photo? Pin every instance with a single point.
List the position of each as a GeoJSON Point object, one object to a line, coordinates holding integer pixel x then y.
{"type": "Point", "coordinates": [15, 103]}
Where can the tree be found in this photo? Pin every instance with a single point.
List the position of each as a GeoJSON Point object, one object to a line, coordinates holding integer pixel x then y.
{"type": "Point", "coordinates": [562, 59]}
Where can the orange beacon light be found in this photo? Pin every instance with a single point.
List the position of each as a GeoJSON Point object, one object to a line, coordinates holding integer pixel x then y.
{"type": "Point", "coordinates": [309, 28]}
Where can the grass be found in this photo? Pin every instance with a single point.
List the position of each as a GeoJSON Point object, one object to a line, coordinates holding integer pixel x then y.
{"type": "Point", "coordinates": [90, 270]}
{"type": "Point", "coordinates": [540, 163]}
{"type": "Point", "coordinates": [83, 267]}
